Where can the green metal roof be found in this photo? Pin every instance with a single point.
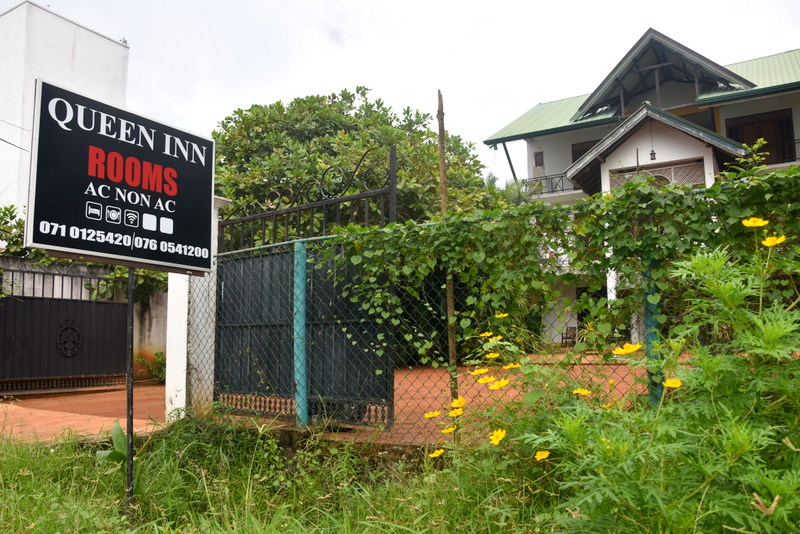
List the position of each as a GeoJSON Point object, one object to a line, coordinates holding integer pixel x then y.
{"type": "Point", "coordinates": [775, 73]}
{"type": "Point", "coordinates": [778, 72]}
{"type": "Point", "coordinates": [550, 117]}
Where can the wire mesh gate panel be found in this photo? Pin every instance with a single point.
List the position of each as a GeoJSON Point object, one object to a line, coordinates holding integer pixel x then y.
{"type": "Point", "coordinates": [339, 377]}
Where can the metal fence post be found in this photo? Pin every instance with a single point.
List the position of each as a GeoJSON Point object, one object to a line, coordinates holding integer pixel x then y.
{"type": "Point", "coordinates": [651, 327]}
{"type": "Point", "coordinates": [299, 335]}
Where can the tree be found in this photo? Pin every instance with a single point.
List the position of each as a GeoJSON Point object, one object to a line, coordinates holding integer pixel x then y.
{"type": "Point", "coordinates": [276, 150]}
{"type": "Point", "coordinates": [12, 235]}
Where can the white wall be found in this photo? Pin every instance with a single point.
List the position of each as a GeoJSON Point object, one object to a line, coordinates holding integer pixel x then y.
{"type": "Point", "coordinates": [672, 94]}
{"type": "Point", "coordinates": [773, 103]}
{"type": "Point", "coordinates": [37, 43]}
{"type": "Point", "coordinates": [560, 315]}
{"type": "Point", "coordinates": [670, 146]}
{"type": "Point", "coordinates": [557, 148]}
{"type": "Point", "coordinates": [191, 327]}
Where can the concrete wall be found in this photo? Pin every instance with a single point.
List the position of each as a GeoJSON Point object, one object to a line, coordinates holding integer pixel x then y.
{"type": "Point", "coordinates": [191, 327]}
{"type": "Point", "coordinates": [557, 148]}
{"type": "Point", "coordinates": [150, 331]}
{"type": "Point", "coordinates": [670, 146]}
{"type": "Point", "coordinates": [761, 105]}
{"type": "Point", "coordinates": [560, 315]}
{"type": "Point", "coordinates": [37, 43]}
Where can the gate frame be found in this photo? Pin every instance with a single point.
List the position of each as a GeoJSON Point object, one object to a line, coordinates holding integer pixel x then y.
{"type": "Point", "coordinates": [242, 235]}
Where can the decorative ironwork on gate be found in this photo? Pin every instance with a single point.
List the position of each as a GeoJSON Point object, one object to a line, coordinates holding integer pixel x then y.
{"type": "Point", "coordinates": [318, 207]}
{"type": "Point", "coordinates": [288, 343]}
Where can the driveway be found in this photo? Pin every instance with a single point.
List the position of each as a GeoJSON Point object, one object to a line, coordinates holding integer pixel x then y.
{"type": "Point", "coordinates": [90, 414]}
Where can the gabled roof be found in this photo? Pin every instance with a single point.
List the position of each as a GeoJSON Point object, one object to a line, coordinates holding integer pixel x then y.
{"type": "Point", "coordinates": [771, 74]}
{"type": "Point", "coordinates": [582, 169]}
{"type": "Point", "coordinates": [657, 58]}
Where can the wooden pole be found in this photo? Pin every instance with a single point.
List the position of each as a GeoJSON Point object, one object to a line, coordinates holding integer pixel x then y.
{"type": "Point", "coordinates": [450, 292]}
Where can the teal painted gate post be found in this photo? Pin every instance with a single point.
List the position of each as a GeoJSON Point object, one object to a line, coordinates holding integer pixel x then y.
{"type": "Point", "coordinates": [299, 335]}
{"type": "Point", "coordinates": [651, 328]}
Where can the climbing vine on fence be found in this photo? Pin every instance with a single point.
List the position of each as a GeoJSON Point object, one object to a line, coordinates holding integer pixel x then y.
{"type": "Point", "coordinates": [517, 260]}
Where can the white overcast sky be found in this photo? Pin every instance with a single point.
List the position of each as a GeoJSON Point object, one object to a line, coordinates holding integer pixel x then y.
{"type": "Point", "coordinates": [193, 62]}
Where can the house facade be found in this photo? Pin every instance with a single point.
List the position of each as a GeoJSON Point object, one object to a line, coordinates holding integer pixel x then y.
{"type": "Point", "coordinates": [664, 110]}
{"type": "Point", "coordinates": [37, 43]}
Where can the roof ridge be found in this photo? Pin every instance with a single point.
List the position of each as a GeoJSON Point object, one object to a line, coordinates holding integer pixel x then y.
{"type": "Point", "coordinates": [560, 99]}
{"type": "Point", "coordinates": [762, 57]}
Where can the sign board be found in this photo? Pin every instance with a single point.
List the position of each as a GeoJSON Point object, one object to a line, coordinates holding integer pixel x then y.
{"type": "Point", "coordinates": [108, 184]}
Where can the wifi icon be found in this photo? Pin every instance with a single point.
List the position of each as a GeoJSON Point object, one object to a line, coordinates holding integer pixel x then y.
{"type": "Point", "coordinates": [132, 218]}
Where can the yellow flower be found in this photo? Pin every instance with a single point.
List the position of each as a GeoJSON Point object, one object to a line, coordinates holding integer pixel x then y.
{"type": "Point", "coordinates": [493, 355]}
{"type": "Point", "coordinates": [611, 382]}
{"type": "Point", "coordinates": [486, 334]}
{"type": "Point", "coordinates": [773, 240]}
{"type": "Point", "coordinates": [627, 348]}
{"type": "Point", "coordinates": [431, 415]}
{"type": "Point", "coordinates": [480, 371]}
{"type": "Point", "coordinates": [496, 338]}
{"type": "Point", "coordinates": [499, 384]}
{"type": "Point", "coordinates": [486, 379]}
{"type": "Point", "coordinates": [754, 222]}
{"type": "Point", "coordinates": [501, 315]}
{"type": "Point", "coordinates": [541, 455]}
{"type": "Point", "coordinates": [449, 429]}
{"type": "Point", "coordinates": [455, 412]}
{"type": "Point", "coordinates": [606, 406]}
{"type": "Point", "coordinates": [581, 391]}
{"type": "Point", "coordinates": [458, 403]}
{"type": "Point", "coordinates": [497, 436]}
{"type": "Point", "coordinates": [512, 366]}
{"type": "Point", "coordinates": [436, 453]}
{"type": "Point", "coordinates": [673, 383]}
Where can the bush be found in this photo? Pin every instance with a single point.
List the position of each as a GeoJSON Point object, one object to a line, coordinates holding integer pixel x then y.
{"type": "Point", "coordinates": [718, 453]}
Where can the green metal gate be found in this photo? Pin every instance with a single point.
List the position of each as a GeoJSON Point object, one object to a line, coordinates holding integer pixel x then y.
{"type": "Point", "coordinates": [287, 342]}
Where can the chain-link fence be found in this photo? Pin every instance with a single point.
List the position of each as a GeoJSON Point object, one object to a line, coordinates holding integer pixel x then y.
{"type": "Point", "coordinates": [278, 332]}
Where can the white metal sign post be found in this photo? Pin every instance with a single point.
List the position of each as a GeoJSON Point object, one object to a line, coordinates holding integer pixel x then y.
{"type": "Point", "coordinates": [111, 186]}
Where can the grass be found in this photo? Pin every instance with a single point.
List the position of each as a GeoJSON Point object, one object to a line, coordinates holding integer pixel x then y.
{"type": "Point", "coordinates": [205, 475]}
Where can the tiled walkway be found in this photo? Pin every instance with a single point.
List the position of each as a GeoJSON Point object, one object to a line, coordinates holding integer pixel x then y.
{"type": "Point", "coordinates": [89, 414]}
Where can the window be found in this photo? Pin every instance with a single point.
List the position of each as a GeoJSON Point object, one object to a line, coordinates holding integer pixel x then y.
{"type": "Point", "coordinates": [538, 159]}
{"type": "Point", "coordinates": [774, 126]}
{"type": "Point", "coordinates": [579, 149]}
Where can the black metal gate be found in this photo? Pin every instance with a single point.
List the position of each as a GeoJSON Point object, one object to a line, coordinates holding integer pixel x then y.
{"type": "Point", "coordinates": [57, 331]}
{"type": "Point", "coordinates": [287, 341]}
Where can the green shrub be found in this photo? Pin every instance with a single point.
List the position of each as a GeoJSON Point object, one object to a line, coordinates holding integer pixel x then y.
{"type": "Point", "coordinates": [719, 451]}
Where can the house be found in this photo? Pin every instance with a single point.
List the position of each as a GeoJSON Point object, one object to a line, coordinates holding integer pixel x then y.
{"type": "Point", "coordinates": [54, 329]}
{"type": "Point", "coordinates": [663, 110]}
{"type": "Point", "coordinates": [37, 43]}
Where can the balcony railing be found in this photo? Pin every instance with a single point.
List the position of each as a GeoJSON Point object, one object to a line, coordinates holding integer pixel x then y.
{"type": "Point", "coordinates": [554, 183]}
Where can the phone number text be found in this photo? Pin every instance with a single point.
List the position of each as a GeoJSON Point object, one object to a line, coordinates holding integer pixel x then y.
{"type": "Point", "coordinates": [121, 239]}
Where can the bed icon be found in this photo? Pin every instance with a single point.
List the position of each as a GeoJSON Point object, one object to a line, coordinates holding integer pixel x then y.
{"type": "Point", "coordinates": [94, 211]}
